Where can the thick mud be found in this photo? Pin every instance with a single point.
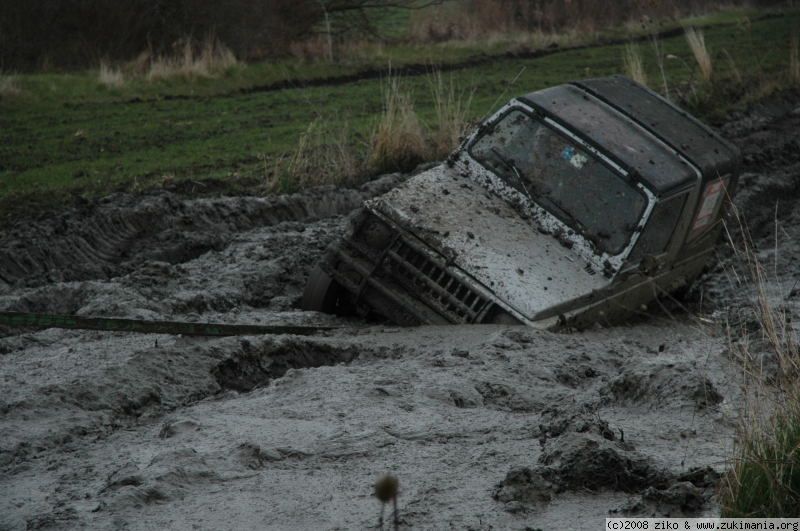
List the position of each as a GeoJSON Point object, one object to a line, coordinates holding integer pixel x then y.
{"type": "Point", "coordinates": [486, 427]}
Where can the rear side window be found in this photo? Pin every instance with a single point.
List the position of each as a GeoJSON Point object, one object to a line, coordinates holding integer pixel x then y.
{"type": "Point", "coordinates": [659, 229]}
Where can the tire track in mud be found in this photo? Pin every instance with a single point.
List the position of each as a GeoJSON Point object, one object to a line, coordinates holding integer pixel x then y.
{"type": "Point", "coordinates": [110, 236]}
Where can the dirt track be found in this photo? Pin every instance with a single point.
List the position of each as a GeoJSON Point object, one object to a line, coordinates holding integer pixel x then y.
{"type": "Point", "coordinates": [487, 428]}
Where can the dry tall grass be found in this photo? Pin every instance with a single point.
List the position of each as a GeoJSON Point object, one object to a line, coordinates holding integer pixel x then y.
{"type": "Point", "coordinates": [470, 20]}
{"type": "Point", "coordinates": [312, 49]}
{"type": "Point", "coordinates": [764, 480]}
{"type": "Point", "coordinates": [734, 70]}
{"type": "Point", "coordinates": [110, 76]}
{"type": "Point", "coordinates": [697, 43]}
{"type": "Point", "coordinates": [452, 109]}
{"type": "Point", "coordinates": [794, 60]}
{"type": "Point", "coordinates": [481, 20]}
{"type": "Point", "coordinates": [190, 60]}
{"type": "Point", "coordinates": [9, 87]}
{"type": "Point", "coordinates": [660, 57]}
{"type": "Point", "coordinates": [491, 24]}
{"type": "Point", "coordinates": [324, 155]}
{"type": "Point", "coordinates": [634, 63]}
{"type": "Point", "coordinates": [327, 153]}
{"type": "Point", "coordinates": [398, 142]}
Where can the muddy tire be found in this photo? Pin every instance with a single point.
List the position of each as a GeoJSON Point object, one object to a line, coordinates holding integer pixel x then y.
{"type": "Point", "coordinates": [321, 293]}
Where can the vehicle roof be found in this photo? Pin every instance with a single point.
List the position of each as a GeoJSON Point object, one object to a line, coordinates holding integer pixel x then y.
{"type": "Point", "coordinates": [695, 140]}
{"type": "Point", "coordinates": [602, 111]}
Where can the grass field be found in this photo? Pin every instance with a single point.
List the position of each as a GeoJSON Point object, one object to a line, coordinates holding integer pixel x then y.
{"type": "Point", "coordinates": [67, 134]}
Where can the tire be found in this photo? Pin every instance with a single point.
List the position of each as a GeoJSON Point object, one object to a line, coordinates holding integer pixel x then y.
{"type": "Point", "coordinates": [321, 293]}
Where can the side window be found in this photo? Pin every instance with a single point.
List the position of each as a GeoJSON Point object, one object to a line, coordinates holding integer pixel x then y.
{"type": "Point", "coordinates": [658, 231]}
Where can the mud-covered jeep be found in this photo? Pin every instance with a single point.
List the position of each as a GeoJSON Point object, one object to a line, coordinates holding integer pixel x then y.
{"type": "Point", "coordinates": [574, 204]}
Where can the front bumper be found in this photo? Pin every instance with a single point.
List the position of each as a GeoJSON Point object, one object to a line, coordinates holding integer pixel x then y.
{"type": "Point", "coordinates": [392, 273]}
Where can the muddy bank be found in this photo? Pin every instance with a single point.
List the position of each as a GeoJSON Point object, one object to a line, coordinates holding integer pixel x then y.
{"type": "Point", "coordinates": [486, 427]}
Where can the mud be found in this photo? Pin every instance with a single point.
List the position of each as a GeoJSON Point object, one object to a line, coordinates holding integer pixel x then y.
{"type": "Point", "coordinates": [486, 427]}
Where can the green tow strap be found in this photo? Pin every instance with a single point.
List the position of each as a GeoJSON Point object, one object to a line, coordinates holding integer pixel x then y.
{"type": "Point", "coordinates": [45, 320]}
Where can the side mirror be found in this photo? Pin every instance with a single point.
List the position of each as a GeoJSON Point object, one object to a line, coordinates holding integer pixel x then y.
{"type": "Point", "coordinates": [649, 265]}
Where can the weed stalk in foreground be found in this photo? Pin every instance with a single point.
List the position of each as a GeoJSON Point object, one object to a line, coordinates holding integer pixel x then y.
{"type": "Point", "coordinates": [386, 490]}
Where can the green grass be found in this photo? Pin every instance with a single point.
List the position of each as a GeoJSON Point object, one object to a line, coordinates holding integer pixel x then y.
{"type": "Point", "coordinates": [765, 479]}
{"type": "Point", "coordinates": [66, 134]}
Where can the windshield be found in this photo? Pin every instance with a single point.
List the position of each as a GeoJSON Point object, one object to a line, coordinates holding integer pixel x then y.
{"type": "Point", "coordinates": [560, 176]}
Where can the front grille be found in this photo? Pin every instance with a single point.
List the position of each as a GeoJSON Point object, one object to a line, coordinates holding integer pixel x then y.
{"type": "Point", "coordinates": [430, 281]}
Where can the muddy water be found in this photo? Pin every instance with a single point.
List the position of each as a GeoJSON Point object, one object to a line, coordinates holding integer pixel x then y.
{"type": "Point", "coordinates": [486, 427]}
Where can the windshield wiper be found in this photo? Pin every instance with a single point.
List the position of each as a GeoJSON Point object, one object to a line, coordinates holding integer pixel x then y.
{"type": "Point", "coordinates": [509, 163]}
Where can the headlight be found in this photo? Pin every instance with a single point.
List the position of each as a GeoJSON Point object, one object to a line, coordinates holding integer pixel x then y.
{"type": "Point", "coordinates": [375, 233]}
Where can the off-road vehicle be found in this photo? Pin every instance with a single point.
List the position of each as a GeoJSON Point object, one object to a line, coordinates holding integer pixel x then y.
{"type": "Point", "coordinates": [570, 205]}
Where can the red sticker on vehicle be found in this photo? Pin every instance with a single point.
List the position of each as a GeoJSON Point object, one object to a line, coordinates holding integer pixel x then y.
{"type": "Point", "coordinates": [711, 200]}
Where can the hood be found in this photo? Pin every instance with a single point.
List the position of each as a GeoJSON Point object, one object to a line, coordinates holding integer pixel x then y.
{"type": "Point", "coordinates": [489, 240]}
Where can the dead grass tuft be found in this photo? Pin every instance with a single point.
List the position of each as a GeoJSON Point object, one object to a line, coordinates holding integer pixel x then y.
{"type": "Point", "coordinates": [312, 49]}
{"type": "Point", "coordinates": [634, 63]}
{"type": "Point", "coordinates": [190, 60]}
{"type": "Point", "coordinates": [398, 142]}
{"type": "Point", "coordinates": [110, 76]}
{"type": "Point", "coordinates": [9, 86]}
{"type": "Point", "coordinates": [325, 154]}
{"type": "Point", "coordinates": [734, 70]}
{"type": "Point", "coordinates": [697, 43]}
{"type": "Point", "coordinates": [452, 109]}
{"type": "Point", "coordinates": [660, 57]}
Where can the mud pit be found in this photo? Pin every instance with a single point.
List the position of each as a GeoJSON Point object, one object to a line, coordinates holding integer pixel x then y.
{"type": "Point", "coordinates": [490, 427]}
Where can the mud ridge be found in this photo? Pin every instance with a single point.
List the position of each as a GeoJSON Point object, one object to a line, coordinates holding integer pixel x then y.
{"type": "Point", "coordinates": [257, 366]}
{"type": "Point", "coordinates": [588, 455]}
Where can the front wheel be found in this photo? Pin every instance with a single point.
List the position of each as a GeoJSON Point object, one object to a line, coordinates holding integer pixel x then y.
{"type": "Point", "coordinates": [322, 292]}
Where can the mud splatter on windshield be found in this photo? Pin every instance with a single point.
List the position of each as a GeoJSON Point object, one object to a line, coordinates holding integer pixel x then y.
{"type": "Point", "coordinates": [570, 183]}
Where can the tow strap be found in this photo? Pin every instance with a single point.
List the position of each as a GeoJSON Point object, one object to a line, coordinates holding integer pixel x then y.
{"type": "Point", "coordinates": [110, 324]}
